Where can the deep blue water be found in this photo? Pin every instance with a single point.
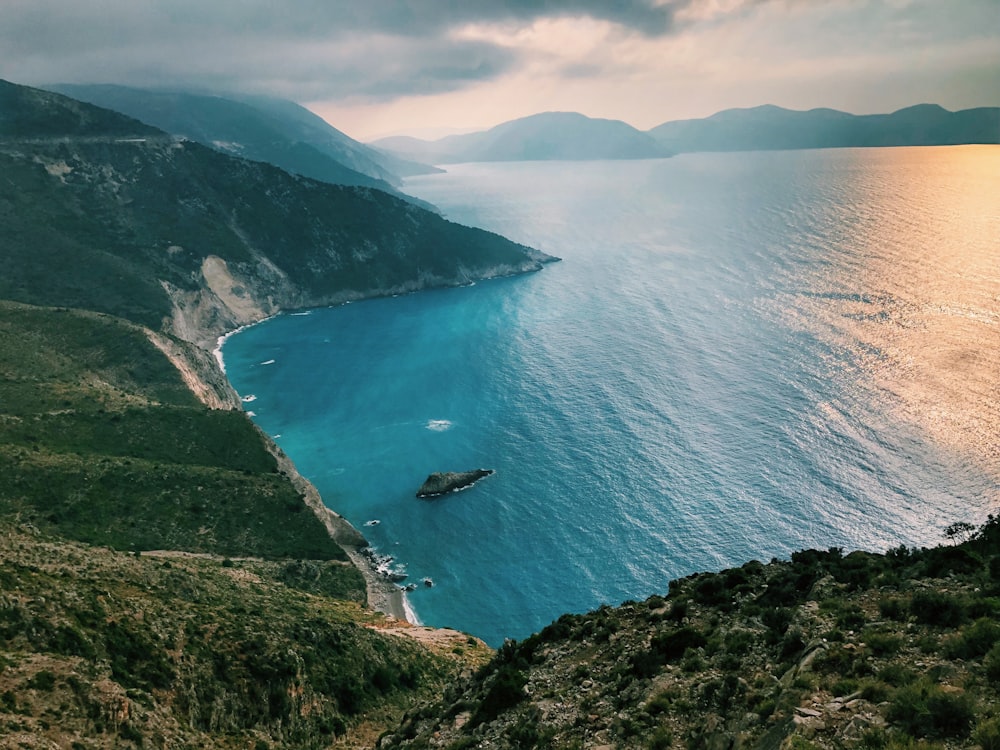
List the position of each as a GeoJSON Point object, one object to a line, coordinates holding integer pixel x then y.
{"type": "Point", "coordinates": [726, 365]}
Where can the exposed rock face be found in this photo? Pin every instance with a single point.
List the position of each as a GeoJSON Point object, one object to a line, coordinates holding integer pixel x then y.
{"type": "Point", "coordinates": [443, 482]}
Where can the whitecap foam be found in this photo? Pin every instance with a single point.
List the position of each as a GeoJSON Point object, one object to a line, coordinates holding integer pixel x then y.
{"type": "Point", "coordinates": [410, 612]}
{"type": "Point", "coordinates": [438, 425]}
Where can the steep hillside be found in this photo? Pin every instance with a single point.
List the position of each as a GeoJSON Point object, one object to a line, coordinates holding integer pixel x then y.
{"type": "Point", "coordinates": [103, 440]}
{"type": "Point", "coordinates": [774, 128]}
{"type": "Point", "coordinates": [546, 136]}
{"type": "Point", "coordinates": [178, 236]}
{"type": "Point", "coordinates": [102, 649]}
{"type": "Point", "coordinates": [826, 651]}
{"type": "Point", "coordinates": [269, 130]}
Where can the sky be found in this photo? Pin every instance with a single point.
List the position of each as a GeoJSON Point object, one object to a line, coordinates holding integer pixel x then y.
{"type": "Point", "coordinates": [430, 67]}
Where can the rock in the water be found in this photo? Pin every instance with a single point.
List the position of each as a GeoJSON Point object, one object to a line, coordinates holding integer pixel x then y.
{"type": "Point", "coordinates": [443, 482]}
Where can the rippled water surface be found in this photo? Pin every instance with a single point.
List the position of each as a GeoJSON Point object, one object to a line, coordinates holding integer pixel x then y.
{"type": "Point", "coordinates": [739, 356]}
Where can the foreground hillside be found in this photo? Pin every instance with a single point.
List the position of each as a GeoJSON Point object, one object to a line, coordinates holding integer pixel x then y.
{"type": "Point", "coordinates": [102, 649]}
{"type": "Point", "coordinates": [869, 651]}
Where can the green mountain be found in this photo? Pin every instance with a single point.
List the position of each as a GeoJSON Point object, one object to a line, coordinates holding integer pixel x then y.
{"type": "Point", "coordinates": [174, 235]}
{"type": "Point", "coordinates": [769, 128]}
{"type": "Point", "coordinates": [275, 131]}
{"type": "Point", "coordinates": [546, 136]}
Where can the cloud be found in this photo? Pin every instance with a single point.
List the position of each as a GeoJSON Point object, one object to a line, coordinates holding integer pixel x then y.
{"type": "Point", "coordinates": [640, 60]}
{"type": "Point", "coordinates": [303, 49]}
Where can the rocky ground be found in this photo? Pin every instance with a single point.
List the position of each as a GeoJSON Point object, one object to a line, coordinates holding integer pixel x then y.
{"type": "Point", "coordinates": [826, 651]}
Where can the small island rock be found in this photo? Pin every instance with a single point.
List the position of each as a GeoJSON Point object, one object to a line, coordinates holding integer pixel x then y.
{"type": "Point", "coordinates": [443, 482]}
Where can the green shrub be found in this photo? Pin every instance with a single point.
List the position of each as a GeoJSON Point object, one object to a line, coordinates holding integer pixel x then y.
{"type": "Point", "coordinates": [669, 647]}
{"type": "Point", "coordinates": [776, 620]}
{"type": "Point", "coordinates": [844, 687]}
{"type": "Point", "coordinates": [937, 608]}
{"type": "Point", "coordinates": [893, 609]}
{"type": "Point", "coordinates": [897, 675]}
{"type": "Point", "coordinates": [925, 710]}
{"type": "Point", "coordinates": [851, 618]}
{"type": "Point", "coordinates": [43, 680]}
{"type": "Point", "coordinates": [992, 664]}
{"type": "Point", "coordinates": [692, 662]}
{"type": "Point", "coordinates": [874, 691]}
{"type": "Point", "coordinates": [883, 644]}
{"type": "Point", "coordinates": [739, 641]}
{"type": "Point", "coordinates": [987, 735]}
{"type": "Point", "coordinates": [974, 641]}
{"type": "Point", "coordinates": [660, 703]}
{"type": "Point", "coordinates": [792, 644]}
{"type": "Point", "coordinates": [661, 740]}
{"type": "Point", "coordinates": [506, 692]}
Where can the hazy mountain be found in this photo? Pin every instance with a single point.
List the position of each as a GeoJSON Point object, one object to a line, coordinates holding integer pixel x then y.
{"type": "Point", "coordinates": [546, 136]}
{"type": "Point", "coordinates": [772, 128]}
{"type": "Point", "coordinates": [134, 222]}
{"type": "Point", "coordinates": [275, 131]}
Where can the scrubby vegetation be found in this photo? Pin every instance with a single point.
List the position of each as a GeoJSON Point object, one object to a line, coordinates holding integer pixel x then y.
{"type": "Point", "coordinates": [101, 441]}
{"type": "Point", "coordinates": [117, 650]}
{"type": "Point", "coordinates": [827, 650]}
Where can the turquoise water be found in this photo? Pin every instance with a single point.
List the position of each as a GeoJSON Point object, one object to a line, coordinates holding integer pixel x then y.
{"type": "Point", "coordinates": [729, 363]}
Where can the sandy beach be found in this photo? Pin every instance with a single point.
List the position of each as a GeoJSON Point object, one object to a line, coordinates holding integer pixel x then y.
{"type": "Point", "coordinates": [383, 596]}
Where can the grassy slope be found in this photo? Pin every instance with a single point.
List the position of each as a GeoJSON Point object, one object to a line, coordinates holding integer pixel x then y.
{"type": "Point", "coordinates": [101, 441]}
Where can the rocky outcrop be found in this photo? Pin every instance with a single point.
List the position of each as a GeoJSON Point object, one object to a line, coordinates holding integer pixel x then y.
{"type": "Point", "coordinates": [824, 652]}
{"type": "Point", "coordinates": [441, 483]}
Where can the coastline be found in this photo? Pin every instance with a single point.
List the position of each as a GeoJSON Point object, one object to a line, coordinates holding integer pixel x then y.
{"type": "Point", "coordinates": [383, 595]}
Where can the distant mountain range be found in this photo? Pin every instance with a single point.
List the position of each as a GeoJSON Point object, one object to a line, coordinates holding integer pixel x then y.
{"type": "Point", "coordinates": [771, 128]}
{"type": "Point", "coordinates": [275, 131]}
{"type": "Point", "coordinates": [546, 136]}
{"type": "Point", "coordinates": [567, 135]}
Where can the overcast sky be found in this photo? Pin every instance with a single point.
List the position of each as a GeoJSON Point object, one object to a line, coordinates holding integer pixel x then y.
{"type": "Point", "coordinates": [379, 67]}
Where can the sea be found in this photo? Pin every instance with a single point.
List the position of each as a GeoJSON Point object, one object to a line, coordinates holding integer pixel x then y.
{"type": "Point", "coordinates": [739, 355]}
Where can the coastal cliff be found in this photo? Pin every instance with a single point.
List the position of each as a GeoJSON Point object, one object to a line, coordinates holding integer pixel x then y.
{"type": "Point", "coordinates": [108, 214]}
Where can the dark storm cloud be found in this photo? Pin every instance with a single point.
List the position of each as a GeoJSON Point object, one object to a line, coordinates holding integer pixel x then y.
{"type": "Point", "coordinates": [304, 49]}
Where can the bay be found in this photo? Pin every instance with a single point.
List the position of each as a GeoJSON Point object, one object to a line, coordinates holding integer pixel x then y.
{"type": "Point", "coordinates": [740, 355]}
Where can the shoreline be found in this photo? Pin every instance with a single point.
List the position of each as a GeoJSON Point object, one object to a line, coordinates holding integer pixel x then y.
{"type": "Point", "coordinates": [383, 595]}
